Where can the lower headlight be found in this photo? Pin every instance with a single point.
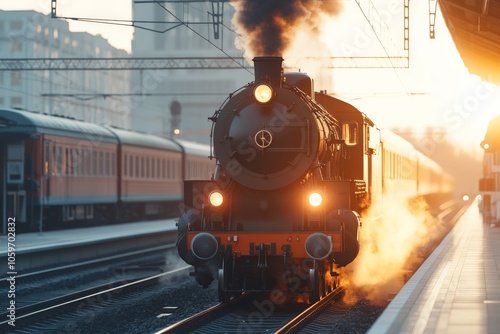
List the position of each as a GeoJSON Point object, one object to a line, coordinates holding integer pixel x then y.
{"type": "Point", "coordinates": [216, 198]}
{"type": "Point", "coordinates": [315, 199]}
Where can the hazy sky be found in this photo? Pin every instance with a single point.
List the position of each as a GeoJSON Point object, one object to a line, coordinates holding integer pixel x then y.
{"type": "Point", "coordinates": [436, 90]}
{"type": "Point", "coordinates": [118, 36]}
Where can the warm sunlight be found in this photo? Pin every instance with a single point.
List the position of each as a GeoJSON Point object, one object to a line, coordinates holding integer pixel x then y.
{"type": "Point", "coordinates": [435, 91]}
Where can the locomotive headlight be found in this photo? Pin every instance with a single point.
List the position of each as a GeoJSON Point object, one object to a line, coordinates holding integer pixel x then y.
{"type": "Point", "coordinates": [315, 199]}
{"type": "Point", "coordinates": [263, 93]}
{"type": "Point", "coordinates": [216, 198]}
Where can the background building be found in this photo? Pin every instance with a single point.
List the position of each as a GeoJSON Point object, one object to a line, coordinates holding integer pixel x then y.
{"type": "Point", "coordinates": [198, 93]}
{"type": "Point", "coordinates": [30, 34]}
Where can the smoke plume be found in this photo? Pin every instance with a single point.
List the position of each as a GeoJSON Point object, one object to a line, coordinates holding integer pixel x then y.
{"type": "Point", "coordinates": [269, 27]}
{"type": "Point", "coordinates": [389, 247]}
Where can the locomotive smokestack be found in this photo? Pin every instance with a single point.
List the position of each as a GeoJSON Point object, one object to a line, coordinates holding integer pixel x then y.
{"type": "Point", "coordinates": [268, 69]}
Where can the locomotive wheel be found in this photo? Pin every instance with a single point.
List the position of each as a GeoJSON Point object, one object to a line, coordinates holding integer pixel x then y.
{"type": "Point", "coordinates": [335, 283]}
{"type": "Point", "coordinates": [332, 284]}
{"type": "Point", "coordinates": [317, 286]}
{"type": "Point", "coordinates": [329, 287]}
{"type": "Point", "coordinates": [224, 296]}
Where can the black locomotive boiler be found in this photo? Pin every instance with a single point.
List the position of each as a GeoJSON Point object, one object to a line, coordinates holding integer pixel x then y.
{"type": "Point", "coordinates": [295, 169]}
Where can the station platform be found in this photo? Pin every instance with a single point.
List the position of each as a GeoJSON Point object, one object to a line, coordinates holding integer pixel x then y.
{"type": "Point", "coordinates": [38, 251]}
{"type": "Point", "coordinates": [36, 241]}
{"type": "Point", "coordinates": [456, 290]}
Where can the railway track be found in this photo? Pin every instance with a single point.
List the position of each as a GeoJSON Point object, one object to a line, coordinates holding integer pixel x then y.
{"type": "Point", "coordinates": [52, 314]}
{"type": "Point", "coordinates": [42, 292]}
{"type": "Point", "coordinates": [251, 314]}
{"type": "Point", "coordinates": [254, 317]}
{"type": "Point", "coordinates": [37, 274]}
{"type": "Point", "coordinates": [37, 286]}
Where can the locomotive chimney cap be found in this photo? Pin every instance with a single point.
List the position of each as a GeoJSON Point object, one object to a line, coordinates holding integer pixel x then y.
{"type": "Point", "coordinates": [269, 70]}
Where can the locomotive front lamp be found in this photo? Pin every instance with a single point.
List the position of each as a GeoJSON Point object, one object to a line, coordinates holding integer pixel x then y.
{"type": "Point", "coordinates": [216, 198]}
{"type": "Point", "coordinates": [315, 199]}
{"type": "Point", "coordinates": [263, 93]}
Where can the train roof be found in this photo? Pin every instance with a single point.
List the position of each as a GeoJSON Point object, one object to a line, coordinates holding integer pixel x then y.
{"type": "Point", "coordinates": [22, 122]}
{"type": "Point", "coordinates": [193, 148]}
{"type": "Point", "coordinates": [132, 138]}
{"type": "Point", "coordinates": [405, 148]}
{"type": "Point", "coordinates": [26, 123]}
{"type": "Point", "coordinates": [336, 106]}
{"type": "Point", "coordinates": [395, 142]}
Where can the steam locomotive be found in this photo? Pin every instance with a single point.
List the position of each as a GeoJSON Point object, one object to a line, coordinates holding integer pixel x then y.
{"type": "Point", "coordinates": [489, 184]}
{"type": "Point", "coordinates": [295, 170]}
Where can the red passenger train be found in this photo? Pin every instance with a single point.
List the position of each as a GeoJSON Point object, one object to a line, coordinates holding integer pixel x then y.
{"type": "Point", "coordinates": [295, 170]}
{"type": "Point", "coordinates": [59, 171]}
